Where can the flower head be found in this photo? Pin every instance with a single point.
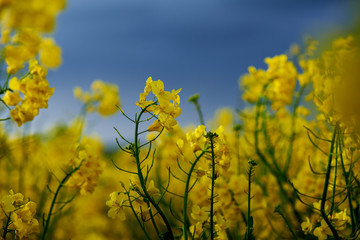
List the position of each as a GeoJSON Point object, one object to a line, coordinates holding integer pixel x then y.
{"type": "Point", "coordinates": [165, 105]}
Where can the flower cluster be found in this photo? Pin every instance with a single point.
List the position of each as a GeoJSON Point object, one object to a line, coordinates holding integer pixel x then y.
{"type": "Point", "coordinates": [87, 157]}
{"type": "Point", "coordinates": [22, 215]}
{"type": "Point", "coordinates": [39, 15]}
{"type": "Point", "coordinates": [36, 91]}
{"type": "Point", "coordinates": [320, 229]}
{"type": "Point", "coordinates": [116, 204]}
{"type": "Point", "coordinates": [277, 83]}
{"type": "Point", "coordinates": [103, 99]}
{"type": "Point", "coordinates": [25, 45]}
{"type": "Point", "coordinates": [22, 26]}
{"type": "Point", "coordinates": [166, 105]}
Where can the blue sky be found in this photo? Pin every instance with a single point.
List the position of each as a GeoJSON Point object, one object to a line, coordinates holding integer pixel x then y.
{"type": "Point", "coordinates": [201, 46]}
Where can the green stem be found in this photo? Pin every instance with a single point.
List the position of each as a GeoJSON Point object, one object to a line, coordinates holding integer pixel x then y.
{"type": "Point", "coordinates": [137, 218]}
{"type": "Point", "coordinates": [186, 194]}
{"type": "Point", "coordinates": [256, 139]}
{"type": "Point", "coordinates": [6, 227]}
{"type": "Point", "coordinates": [249, 207]}
{"type": "Point", "coordinates": [237, 147]}
{"type": "Point", "coordinates": [334, 182]}
{"type": "Point", "coordinates": [62, 183]}
{"type": "Point", "coordinates": [326, 185]}
{"type": "Point", "coordinates": [278, 210]}
{"type": "Point", "coordinates": [152, 219]}
{"type": "Point", "coordinates": [6, 82]}
{"type": "Point", "coordinates": [195, 100]}
{"type": "Point", "coordinates": [348, 191]}
{"type": "Point", "coordinates": [141, 177]}
{"type": "Point", "coordinates": [212, 231]}
{"type": "Point", "coordinates": [249, 224]}
{"type": "Point", "coordinates": [293, 124]}
{"type": "Point", "coordinates": [201, 117]}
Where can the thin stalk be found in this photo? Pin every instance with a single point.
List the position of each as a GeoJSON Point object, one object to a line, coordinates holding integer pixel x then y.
{"type": "Point", "coordinates": [348, 191]}
{"type": "Point", "coordinates": [256, 139]}
{"type": "Point", "coordinates": [137, 218]}
{"type": "Point", "coordinates": [212, 231]}
{"type": "Point", "coordinates": [153, 220]}
{"type": "Point", "coordinates": [326, 185]}
{"type": "Point", "coordinates": [293, 124]}
{"type": "Point", "coordinates": [237, 129]}
{"type": "Point", "coordinates": [278, 210]}
{"type": "Point", "coordinates": [248, 230]}
{"type": "Point", "coordinates": [249, 223]}
{"type": "Point", "coordinates": [141, 177]}
{"type": "Point", "coordinates": [61, 184]}
{"type": "Point", "coordinates": [334, 182]}
{"type": "Point", "coordinates": [186, 194]}
{"type": "Point", "coordinates": [6, 226]}
{"type": "Point", "coordinates": [195, 100]}
{"type": "Point", "coordinates": [7, 81]}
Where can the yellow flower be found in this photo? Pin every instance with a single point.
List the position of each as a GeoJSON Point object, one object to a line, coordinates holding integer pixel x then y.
{"type": "Point", "coordinates": [306, 226]}
{"type": "Point", "coordinates": [322, 231]}
{"type": "Point", "coordinates": [200, 214]}
{"type": "Point", "coordinates": [25, 46]}
{"type": "Point", "coordinates": [21, 114]}
{"type": "Point", "coordinates": [104, 98]}
{"type": "Point", "coordinates": [23, 221]}
{"type": "Point", "coordinates": [196, 138]}
{"type": "Point", "coordinates": [152, 190]}
{"type": "Point", "coordinates": [87, 154]}
{"type": "Point", "coordinates": [116, 206]}
{"type": "Point", "coordinates": [281, 76]}
{"type": "Point", "coordinates": [36, 92]}
{"type": "Point", "coordinates": [166, 105]}
{"type": "Point", "coordinates": [5, 36]}
{"type": "Point", "coordinates": [50, 53]}
{"type": "Point", "coordinates": [34, 14]}
{"type": "Point", "coordinates": [15, 57]}
{"type": "Point", "coordinates": [197, 229]}
{"type": "Point", "coordinates": [11, 98]}
{"type": "Point", "coordinates": [10, 202]}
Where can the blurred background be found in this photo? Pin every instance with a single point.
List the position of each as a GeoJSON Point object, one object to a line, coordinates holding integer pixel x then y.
{"type": "Point", "coordinates": [201, 46]}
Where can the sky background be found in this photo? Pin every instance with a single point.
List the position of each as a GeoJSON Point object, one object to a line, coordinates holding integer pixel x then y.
{"type": "Point", "coordinates": [201, 46]}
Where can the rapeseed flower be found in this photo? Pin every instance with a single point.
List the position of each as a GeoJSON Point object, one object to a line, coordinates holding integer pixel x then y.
{"type": "Point", "coordinates": [103, 98]}
{"type": "Point", "coordinates": [36, 91]}
{"type": "Point", "coordinates": [116, 204]}
{"type": "Point", "coordinates": [166, 105]}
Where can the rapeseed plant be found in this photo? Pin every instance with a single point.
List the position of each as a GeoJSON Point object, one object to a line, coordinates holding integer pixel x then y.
{"type": "Point", "coordinates": [284, 167]}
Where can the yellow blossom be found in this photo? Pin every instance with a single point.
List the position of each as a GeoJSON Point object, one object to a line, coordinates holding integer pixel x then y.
{"type": "Point", "coordinates": [116, 206]}
{"type": "Point", "coordinates": [104, 98]}
{"type": "Point", "coordinates": [197, 229]}
{"type": "Point", "coordinates": [50, 53]}
{"type": "Point", "coordinates": [11, 98]}
{"type": "Point", "coordinates": [200, 214]}
{"type": "Point", "coordinates": [167, 107]}
{"type": "Point", "coordinates": [196, 138]}
{"type": "Point", "coordinates": [10, 202]}
{"type": "Point", "coordinates": [152, 190]}
{"type": "Point", "coordinates": [306, 226]}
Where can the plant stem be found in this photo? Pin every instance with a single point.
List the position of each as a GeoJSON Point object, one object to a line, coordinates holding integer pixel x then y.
{"type": "Point", "coordinates": [293, 124]}
{"type": "Point", "coordinates": [141, 177]}
{"type": "Point", "coordinates": [186, 194]}
{"type": "Point", "coordinates": [137, 218]}
{"type": "Point", "coordinates": [62, 183]}
{"type": "Point", "coordinates": [195, 100]}
{"type": "Point", "coordinates": [212, 231]}
{"type": "Point", "coordinates": [6, 227]}
{"type": "Point", "coordinates": [348, 190]}
{"type": "Point", "coordinates": [326, 185]}
{"type": "Point", "coordinates": [278, 210]}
